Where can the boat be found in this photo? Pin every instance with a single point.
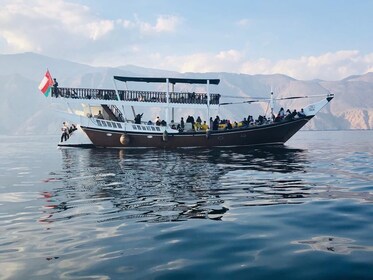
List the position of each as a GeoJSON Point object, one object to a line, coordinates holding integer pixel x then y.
{"type": "Point", "coordinates": [108, 117]}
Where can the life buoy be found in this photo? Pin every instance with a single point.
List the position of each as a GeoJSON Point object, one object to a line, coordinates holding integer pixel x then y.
{"type": "Point", "coordinates": [124, 139]}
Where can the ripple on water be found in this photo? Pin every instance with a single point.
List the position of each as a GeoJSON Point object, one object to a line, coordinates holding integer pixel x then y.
{"type": "Point", "coordinates": [221, 213]}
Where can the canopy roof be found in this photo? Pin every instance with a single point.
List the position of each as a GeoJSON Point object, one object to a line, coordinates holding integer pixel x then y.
{"type": "Point", "coordinates": [164, 80]}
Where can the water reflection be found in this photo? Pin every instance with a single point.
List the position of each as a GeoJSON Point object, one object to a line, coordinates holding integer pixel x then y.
{"type": "Point", "coordinates": [157, 185]}
{"type": "Point", "coordinates": [331, 244]}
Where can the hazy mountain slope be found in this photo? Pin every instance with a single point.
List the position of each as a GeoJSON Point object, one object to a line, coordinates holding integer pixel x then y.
{"type": "Point", "coordinates": [25, 110]}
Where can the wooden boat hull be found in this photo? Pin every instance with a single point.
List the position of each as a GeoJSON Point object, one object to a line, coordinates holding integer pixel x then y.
{"type": "Point", "coordinates": [275, 133]}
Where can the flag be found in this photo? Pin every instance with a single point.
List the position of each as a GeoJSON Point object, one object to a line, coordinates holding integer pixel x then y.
{"type": "Point", "coordinates": [46, 84]}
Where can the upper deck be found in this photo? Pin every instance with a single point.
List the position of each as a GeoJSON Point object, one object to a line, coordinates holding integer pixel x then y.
{"type": "Point", "coordinates": [138, 96]}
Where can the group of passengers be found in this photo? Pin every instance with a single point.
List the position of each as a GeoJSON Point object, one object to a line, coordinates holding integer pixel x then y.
{"type": "Point", "coordinates": [288, 115]}
{"type": "Point", "coordinates": [191, 124]}
{"type": "Point", "coordinates": [67, 131]}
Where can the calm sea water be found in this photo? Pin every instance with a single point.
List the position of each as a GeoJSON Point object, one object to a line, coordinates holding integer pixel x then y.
{"type": "Point", "coordinates": [303, 211]}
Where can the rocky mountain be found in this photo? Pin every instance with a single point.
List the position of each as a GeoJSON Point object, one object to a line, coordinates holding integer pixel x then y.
{"type": "Point", "coordinates": [26, 111]}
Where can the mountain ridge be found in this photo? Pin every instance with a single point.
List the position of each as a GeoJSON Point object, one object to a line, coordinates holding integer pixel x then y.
{"type": "Point", "coordinates": [20, 75]}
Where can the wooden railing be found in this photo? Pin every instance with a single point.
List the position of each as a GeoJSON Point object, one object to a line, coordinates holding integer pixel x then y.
{"type": "Point", "coordinates": [135, 95]}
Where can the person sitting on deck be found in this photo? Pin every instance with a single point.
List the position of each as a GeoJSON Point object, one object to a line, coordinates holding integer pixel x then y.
{"type": "Point", "coordinates": [287, 115]}
{"type": "Point", "coordinates": [100, 115]}
{"type": "Point", "coordinates": [294, 114]}
{"type": "Point", "coordinates": [229, 125]}
{"type": "Point", "coordinates": [281, 113]}
{"type": "Point", "coordinates": [72, 129]}
{"type": "Point", "coordinates": [157, 121]}
{"type": "Point", "coordinates": [204, 126]}
{"type": "Point", "coordinates": [301, 114]}
{"type": "Point", "coordinates": [172, 124]}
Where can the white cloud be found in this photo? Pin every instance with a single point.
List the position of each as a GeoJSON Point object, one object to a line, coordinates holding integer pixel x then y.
{"type": "Point", "coordinates": [30, 25]}
{"type": "Point", "coordinates": [244, 22]}
{"type": "Point", "coordinates": [164, 24]}
{"type": "Point", "coordinates": [328, 66]}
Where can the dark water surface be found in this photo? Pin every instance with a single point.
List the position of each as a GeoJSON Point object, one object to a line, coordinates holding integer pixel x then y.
{"type": "Point", "coordinates": [303, 211]}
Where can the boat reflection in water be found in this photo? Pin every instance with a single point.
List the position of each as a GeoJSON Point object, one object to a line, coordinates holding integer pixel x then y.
{"type": "Point", "coordinates": [159, 185]}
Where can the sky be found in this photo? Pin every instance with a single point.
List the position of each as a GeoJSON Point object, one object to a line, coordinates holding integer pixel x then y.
{"type": "Point", "coordinates": [313, 39]}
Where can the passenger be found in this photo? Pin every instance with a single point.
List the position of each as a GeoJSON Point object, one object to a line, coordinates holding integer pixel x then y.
{"type": "Point", "coordinates": [149, 122]}
{"type": "Point", "coordinates": [288, 115]}
{"type": "Point", "coordinates": [260, 120]}
{"type": "Point", "coordinates": [192, 120]}
{"type": "Point", "coordinates": [172, 124]}
{"type": "Point", "coordinates": [72, 129]}
{"type": "Point", "coordinates": [294, 114]}
{"type": "Point", "coordinates": [100, 115]}
{"type": "Point", "coordinates": [182, 124]}
{"type": "Point", "coordinates": [163, 123]}
{"type": "Point", "coordinates": [197, 126]}
{"type": "Point", "coordinates": [215, 124]}
{"type": "Point", "coordinates": [65, 132]}
{"type": "Point", "coordinates": [157, 121]}
{"type": "Point", "coordinates": [229, 125]}
{"type": "Point", "coordinates": [281, 113]}
{"type": "Point", "coordinates": [250, 120]}
{"type": "Point", "coordinates": [138, 118]}
{"type": "Point", "coordinates": [55, 88]}
{"type": "Point", "coordinates": [199, 120]}
{"type": "Point", "coordinates": [204, 126]}
{"type": "Point", "coordinates": [301, 114]}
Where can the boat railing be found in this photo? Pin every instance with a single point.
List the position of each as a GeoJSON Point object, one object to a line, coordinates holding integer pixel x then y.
{"type": "Point", "coordinates": [137, 96]}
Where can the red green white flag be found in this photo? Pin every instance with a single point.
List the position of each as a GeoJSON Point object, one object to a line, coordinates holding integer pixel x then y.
{"type": "Point", "coordinates": [46, 84]}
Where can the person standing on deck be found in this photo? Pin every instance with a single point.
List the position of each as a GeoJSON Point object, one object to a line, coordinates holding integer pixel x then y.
{"type": "Point", "coordinates": [65, 132]}
{"type": "Point", "coordinates": [55, 87]}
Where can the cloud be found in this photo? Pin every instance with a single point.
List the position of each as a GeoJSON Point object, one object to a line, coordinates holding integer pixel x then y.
{"type": "Point", "coordinates": [30, 25]}
{"type": "Point", "coordinates": [243, 22]}
{"type": "Point", "coordinates": [163, 24]}
{"type": "Point", "coordinates": [328, 66]}
{"type": "Point", "coordinates": [224, 61]}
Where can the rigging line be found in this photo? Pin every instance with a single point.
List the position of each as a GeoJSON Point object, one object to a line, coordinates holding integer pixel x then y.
{"type": "Point", "coordinates": [278, 98]}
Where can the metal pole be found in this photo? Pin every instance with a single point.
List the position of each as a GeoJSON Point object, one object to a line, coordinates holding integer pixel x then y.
{"type": "Point", "coordinates": [208, 100]}
{"type": "Point", "coordinates": [167, 100]}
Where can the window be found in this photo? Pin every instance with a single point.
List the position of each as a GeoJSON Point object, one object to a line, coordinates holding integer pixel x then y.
{"type": "Point", "coordinates": [134, 126]}
{"type": "Point", "coordinates": [158, 129]}
{"type": "Point", "coordinates": [99, 123]}
{"type": "Point", "coordinates": [114, 124]}
{"type": "Point", "coordinates": [153, 128]}
{"type": "Point", "coordinates": [109, 124]}
{"type": "Point", "coordinates": [139, 127]}
{"type": "Point", "coordinates": [119, 125]}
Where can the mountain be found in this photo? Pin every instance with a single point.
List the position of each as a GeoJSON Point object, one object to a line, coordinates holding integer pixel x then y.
{"type": "Point", "coordinates": [26, 111]}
